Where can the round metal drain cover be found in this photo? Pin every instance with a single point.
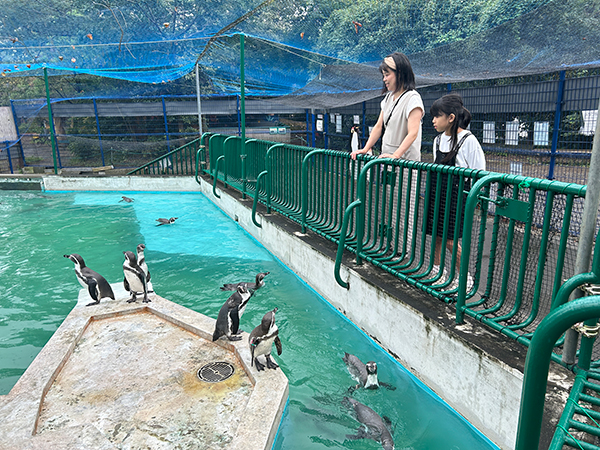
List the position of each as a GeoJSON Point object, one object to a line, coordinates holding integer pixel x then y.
{"type": "Point", "coordinates": [215, 371]}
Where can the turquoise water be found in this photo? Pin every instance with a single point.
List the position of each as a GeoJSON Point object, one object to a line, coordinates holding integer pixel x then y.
{"type": "Point", "coordinates": [189, 261]}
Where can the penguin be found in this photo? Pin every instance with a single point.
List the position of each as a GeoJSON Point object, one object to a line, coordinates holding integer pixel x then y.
{"type": "Point", "coordinates": [162, 221]}
{"type": "Point", "coordinates": [125, 199]}
{"type": "Point", "coordinates": [261, 340]}
{"type": "Point", "coordinates": [97, 286]}
{"type": "Point", "coordinates": [376, 428]}
{"type": "Point", "coordinates": [228, 320]}
{"type": "Point", "coordinates": [364, 374]}
{"type": "Point", "coordinates": [258, 283]}
{"type": "Point", "coordinates": [142, 263]}
{"type": "Point", "coordinates": [134, 278]}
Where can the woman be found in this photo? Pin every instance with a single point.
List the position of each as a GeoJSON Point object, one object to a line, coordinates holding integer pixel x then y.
{"type": "Point", "coordinates": [401, 112]}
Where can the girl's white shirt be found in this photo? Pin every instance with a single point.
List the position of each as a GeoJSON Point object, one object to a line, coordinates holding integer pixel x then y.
{"type": "Point", "coordinates": [470, 154]}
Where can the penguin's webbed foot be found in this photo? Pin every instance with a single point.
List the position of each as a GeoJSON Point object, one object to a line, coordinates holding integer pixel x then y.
{"type": "Point", "coordinates": [132, 299]}
{"type": "Point", "coordinates": [270, 363]}
{"type": "Point", "coordinates": [146, 300]}
{"type": "Point", "coordinates": [259, 366]}
{"type": "Point", "coordinates": [351, 389]}
{"type": "Point", "coordinates": [93, 303]}
{"type": "Point", "coordinates": [234, 338]}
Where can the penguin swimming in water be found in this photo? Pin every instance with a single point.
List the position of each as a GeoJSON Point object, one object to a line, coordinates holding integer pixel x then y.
{"type": "Point", "coordinates": [262, 339]}
{"type": "Point", "coordinates": [162, 221]}
{"type": "Point", "coordinates": [228, 320]}
{"type": "Point", "coordinates": [376, 428]}
{"type": "Point", "coordinates": [141, 260]}
{"type": "Point", "coordinates": [364, 374]}
{"type": "Point", "coordinates": [125, 199]}
{"type": "Point", "coordinates": [258, 283]}
{"type": "Point", "coordinates": [134, 278]}
{"type": "Point", "coordinates": [97, 286]}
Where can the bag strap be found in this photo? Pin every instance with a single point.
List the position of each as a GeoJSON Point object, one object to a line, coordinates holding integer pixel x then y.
{"type": "Point", "coordinates": [394, 107]}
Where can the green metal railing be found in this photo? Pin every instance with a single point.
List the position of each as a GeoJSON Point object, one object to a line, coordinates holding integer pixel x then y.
{"type": "Point", "coordinates": [581, 414]}
{"type": "Point", "coordinates": [519, 233]}
{"type": "Point", "coordinates": [181, 161]}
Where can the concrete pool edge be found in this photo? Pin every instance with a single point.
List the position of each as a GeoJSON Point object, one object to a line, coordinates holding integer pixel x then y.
{"type": "Point", "coordinates": [21, 409]}
{"type": "Point", "coordinates": [429, 343]}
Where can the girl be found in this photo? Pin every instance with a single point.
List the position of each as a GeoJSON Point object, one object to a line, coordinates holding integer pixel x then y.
{"type": "Point", "coordinates": [456, 146]}
{"type": "Point", "coordinates": [401, 112]}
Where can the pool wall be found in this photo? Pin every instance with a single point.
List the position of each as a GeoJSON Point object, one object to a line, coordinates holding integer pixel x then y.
{"type": "Point", "coordinates": [480, 386]}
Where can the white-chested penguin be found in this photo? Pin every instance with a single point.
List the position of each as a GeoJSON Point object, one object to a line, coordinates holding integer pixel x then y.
{"type": "Point", "coordinates": [261, 341]}
{"type": "Point", "coordinates": [162, 221]}
{"type": "Point", "coordinates": [258, 283]}
{"type": "Point", "coordinates": [141, 260]}
{"type": "Point", "coordinates": [95, 283]}
{"type": "Point", "coordinates": [376, 428]}
{"type": "Point", "coordinates": [364, 374]}
{"type": "Point", "coordinates": [135, 278]}
{"type": "Point", "coordinates": [228, 320]}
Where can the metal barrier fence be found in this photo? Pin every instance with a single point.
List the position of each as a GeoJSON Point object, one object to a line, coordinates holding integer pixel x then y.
{"type": "Point", "coordinates": [518, 237]}
{"type": "Point", "coordinates": [181, 161]}
{"type": "Point", "coordinates": [518, 243]}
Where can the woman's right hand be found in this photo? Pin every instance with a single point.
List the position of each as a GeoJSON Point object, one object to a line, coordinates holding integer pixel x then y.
{"type": "Point", "coordinates": [360, 151]}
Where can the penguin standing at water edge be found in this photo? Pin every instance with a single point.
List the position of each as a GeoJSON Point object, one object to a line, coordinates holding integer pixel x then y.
{"type": "Point", "coordinates": [262, 339]}
{"type": "Point", "coordinates": [134, 279]}
{"type": "Point", "coordinates": [376, 428]}
{"type": "Point", "coordinates": [228, 320]}
{"type": "Point", "coordinates": [96, 284]}
{"type": "Point", "coordinates": [141, 260]}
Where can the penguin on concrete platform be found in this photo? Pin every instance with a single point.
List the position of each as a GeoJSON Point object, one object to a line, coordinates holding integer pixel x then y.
{"type": "Point", "coordinates": [376, 428]}
{"type": "Point", "coordinates": [262, 339]}
{"type": "Point", "coordinates": [97, 286]}
{"type": "Point", "coordinates": [228, 320]}
{"type": "Point", "coordinates": [134, 278]}
{"type": "Point", "coordinates": [141, 260]}
{"type": "Point", "coordinates": [258, 283]}
{"type": "Point", "coordinates": [162, 221]}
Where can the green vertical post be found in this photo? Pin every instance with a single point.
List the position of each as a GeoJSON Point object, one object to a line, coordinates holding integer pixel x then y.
{"type": "Point", "coordinates": [51, 124]}
{"type": "Point", "coordinates": [243, 115]}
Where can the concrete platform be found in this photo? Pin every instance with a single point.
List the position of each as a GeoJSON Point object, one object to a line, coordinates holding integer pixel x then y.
{"type": "Point", "coordinates": [125, 376]}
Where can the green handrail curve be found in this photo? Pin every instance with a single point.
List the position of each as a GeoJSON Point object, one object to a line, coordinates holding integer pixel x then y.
{"type": "Point", "coordinates": [216, 176]}
{"type": "Point", "coordinates": [304, 192]}
{"type": "Point", "coordinates": [340, 250]}
{"type": "Point", "coordinates": [256, 195]}
{"type": "Point", "coordinates": [201, 149]}
{"type": "Point", "coordinates": [537, 365]}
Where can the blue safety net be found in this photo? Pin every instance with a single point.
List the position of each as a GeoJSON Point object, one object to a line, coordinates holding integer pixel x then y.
{"type": "Point", "coordinates": [294, 47]}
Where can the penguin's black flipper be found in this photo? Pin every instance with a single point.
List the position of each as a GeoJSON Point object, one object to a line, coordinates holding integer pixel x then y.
{"type": "Point", "coordinates": [360, 435]}
{"type": "Point", "coordinates": [387, 386]}
{"type": "Point", "coordinates": [126, 284]}
{"type": "Point", "coordinates": [278, 345]}
{"type": "Point", "coordinates": [92, 285]}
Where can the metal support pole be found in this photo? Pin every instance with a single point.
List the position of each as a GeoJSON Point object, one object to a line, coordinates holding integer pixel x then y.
{"type": "Point", "coordinates": [363, 138]}
{"type": "Point", "coordinates": [7, 143]}
{"type": "Point", "coordinates": [313, 127]}
{"type": "Point", "coordinates": [243, 114]}
{"type": "Point", "coordinates": [198, 98]}
{"type": "Point", "coordinates": [556, 130]}
{"type": "Point", "coordinates": [166, 122]}
{"type": "Point", "coordinates": [326, 129]}
{"type": "Point", "coordinates": [586, 237]}
{"type": "Point", "coordinates": [449, 88]}
{"type": "Point", "coordinates": [98, 129]}
{"type": "Point", "coordinates": [307, 128]}
{"type": "Point", "coordinates": [52, 135]}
